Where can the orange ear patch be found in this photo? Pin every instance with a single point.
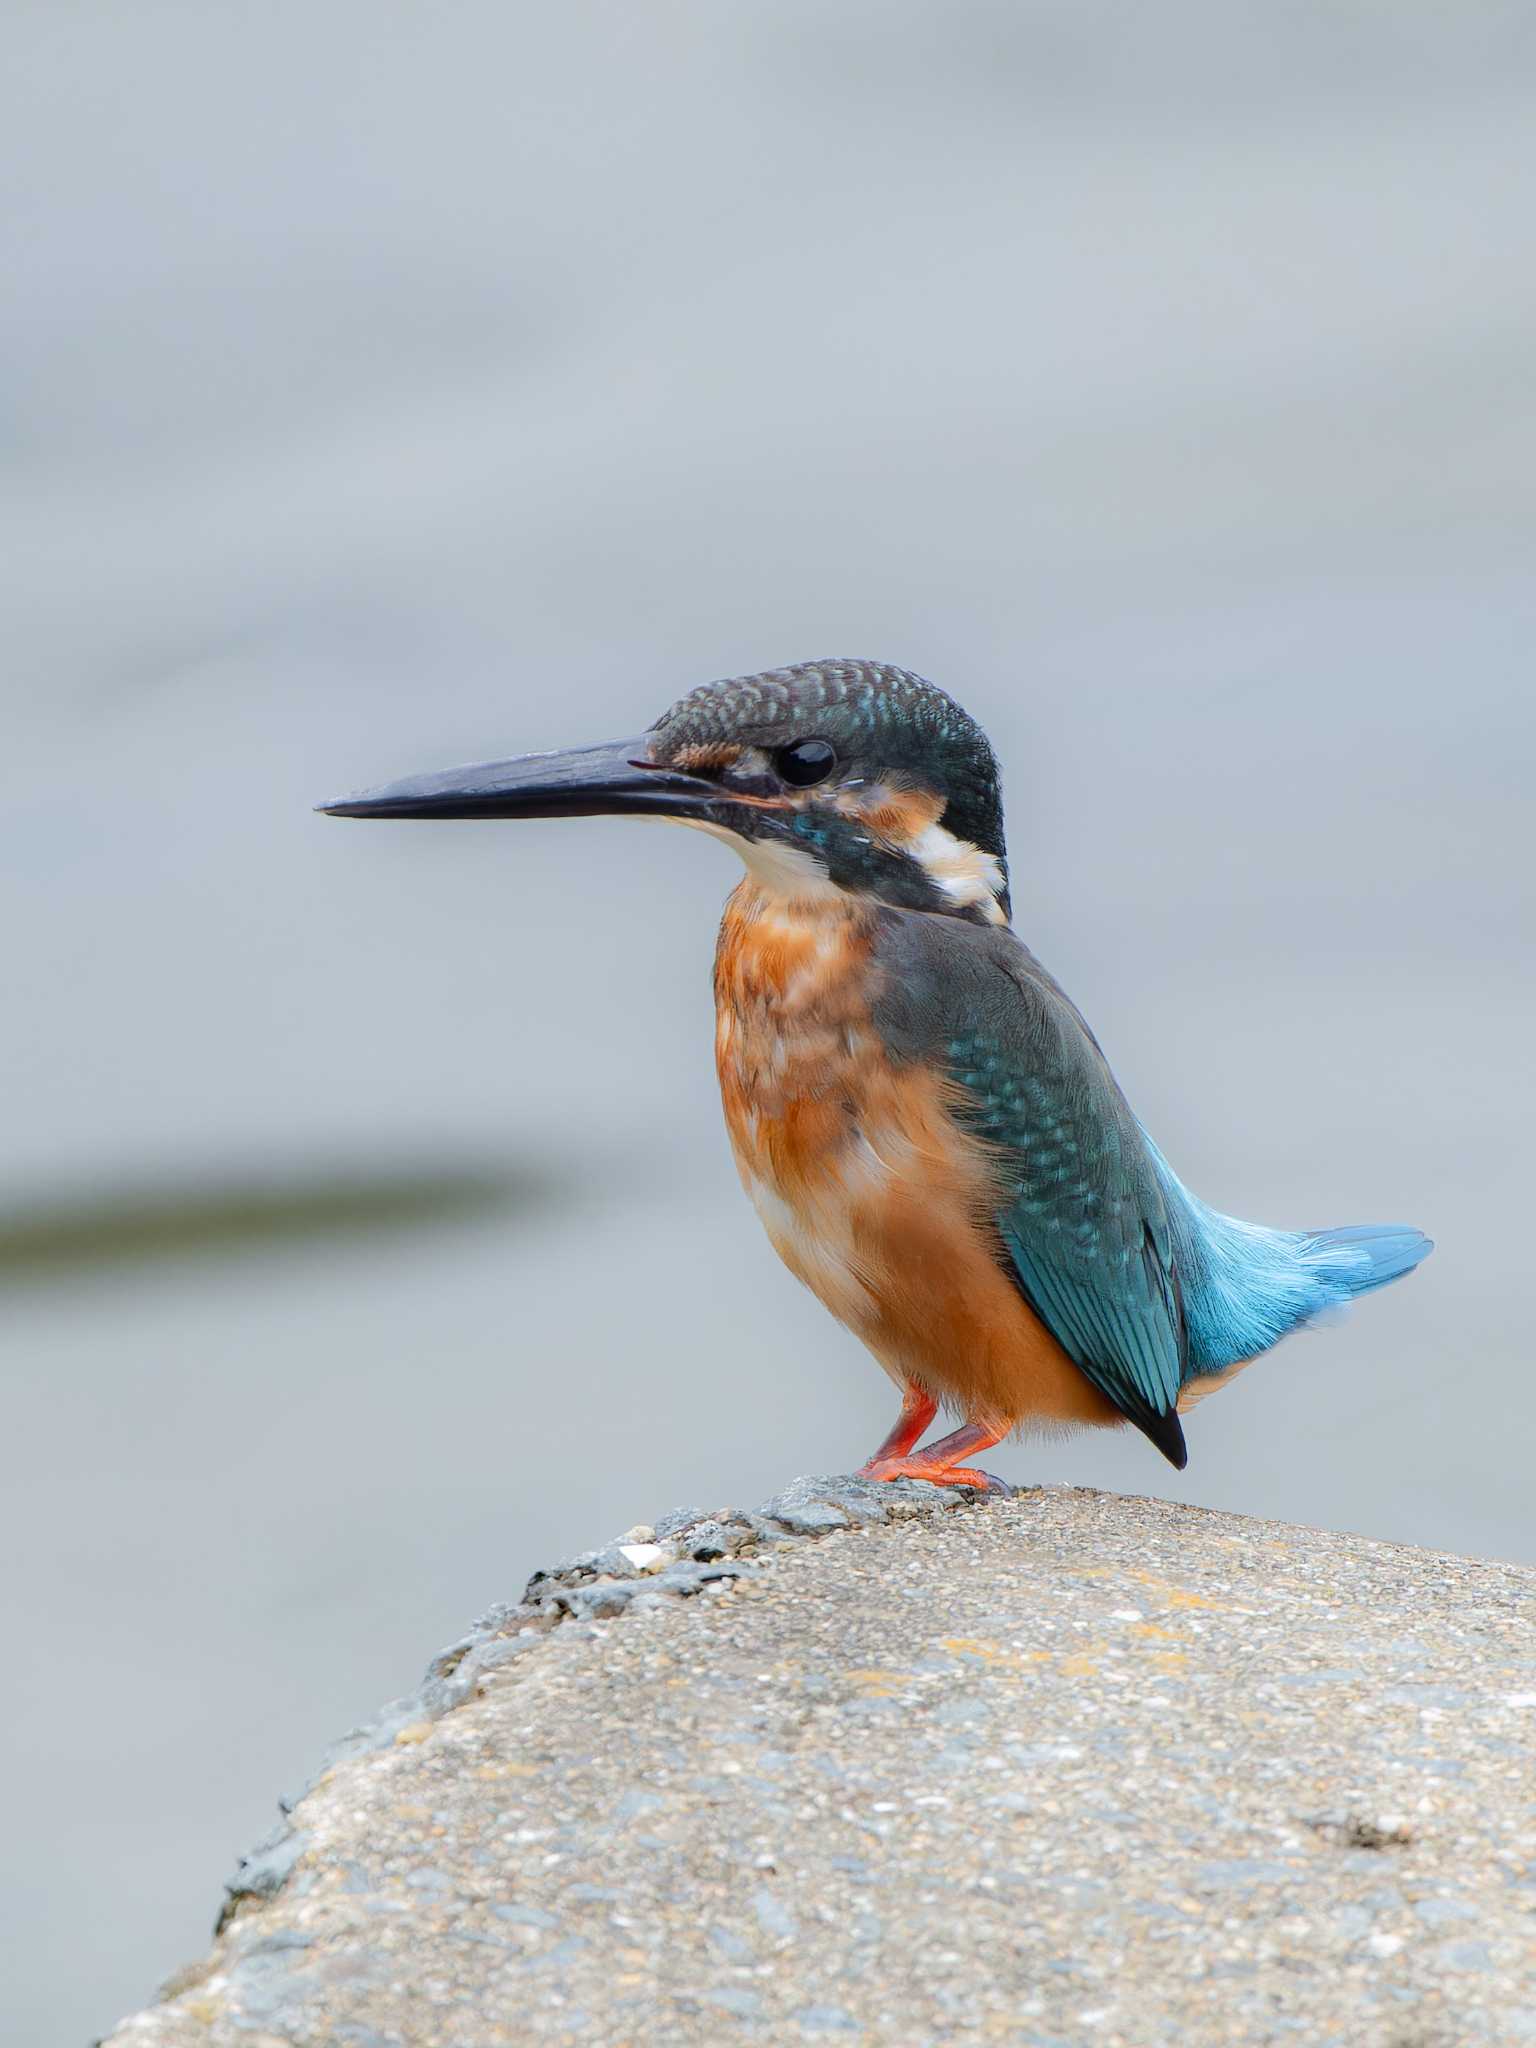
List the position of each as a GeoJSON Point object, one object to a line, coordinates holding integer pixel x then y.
{"type": "Point", "coordinates": [894, 814]}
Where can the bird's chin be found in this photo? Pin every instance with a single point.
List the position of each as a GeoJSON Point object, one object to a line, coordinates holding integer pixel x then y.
{"type": "Point", "coordinates": [781, 870]}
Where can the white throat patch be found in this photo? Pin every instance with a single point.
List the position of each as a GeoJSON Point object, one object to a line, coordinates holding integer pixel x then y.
{"type": "Point", "coordinates": [789, 872]}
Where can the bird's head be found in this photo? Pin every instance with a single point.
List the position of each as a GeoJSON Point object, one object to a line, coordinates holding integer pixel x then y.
{"type": "Point", "coordinates": [832, 776]}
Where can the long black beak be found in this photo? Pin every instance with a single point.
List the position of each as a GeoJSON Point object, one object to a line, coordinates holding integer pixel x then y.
{"type": "Point", "coordinates": [581, 782]}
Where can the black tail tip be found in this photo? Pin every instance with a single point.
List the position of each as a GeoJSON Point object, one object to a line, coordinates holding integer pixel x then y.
{"type": "Point", "coordinates": [1167, 1432]}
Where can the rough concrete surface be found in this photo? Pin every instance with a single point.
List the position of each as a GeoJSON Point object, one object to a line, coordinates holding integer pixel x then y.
{"type": "Point", "coordinates": [914, 1767]}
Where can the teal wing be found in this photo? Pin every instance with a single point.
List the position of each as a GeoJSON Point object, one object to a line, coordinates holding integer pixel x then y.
{"type": "Point", "coordinates": [1084, 1221]}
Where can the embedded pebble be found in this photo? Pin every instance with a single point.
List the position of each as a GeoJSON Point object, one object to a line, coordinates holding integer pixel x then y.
{"type": "Point", "coordinates": [645, 1557]}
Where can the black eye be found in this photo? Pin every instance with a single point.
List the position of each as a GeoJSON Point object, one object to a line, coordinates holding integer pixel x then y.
{"type": "Point", "coordinates": [805, 761]}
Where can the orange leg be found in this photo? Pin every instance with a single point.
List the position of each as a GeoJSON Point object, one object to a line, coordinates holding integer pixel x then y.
{"type": "Point", "coordinates": [918, 1408]}
{"type": "Point", "coordinates": [941, 1461]}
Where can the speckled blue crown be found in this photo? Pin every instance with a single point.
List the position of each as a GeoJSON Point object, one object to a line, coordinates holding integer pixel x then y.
{"type": "Point", "coordinates": [878, 717]}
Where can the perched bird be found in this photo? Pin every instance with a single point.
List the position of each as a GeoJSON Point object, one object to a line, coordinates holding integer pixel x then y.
{"type": "Point", "coordinates": [926, 1125]}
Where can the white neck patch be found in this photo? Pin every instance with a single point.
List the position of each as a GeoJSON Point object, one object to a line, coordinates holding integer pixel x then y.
{"type": "Point", "coordinates": [967, 876]}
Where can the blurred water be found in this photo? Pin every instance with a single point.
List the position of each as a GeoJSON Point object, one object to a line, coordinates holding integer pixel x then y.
{"type": "Point", "coordinates": [383, 387]}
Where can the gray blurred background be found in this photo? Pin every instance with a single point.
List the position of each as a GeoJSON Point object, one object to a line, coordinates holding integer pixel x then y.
{"type": "Point", "coordinates": [385, 386]}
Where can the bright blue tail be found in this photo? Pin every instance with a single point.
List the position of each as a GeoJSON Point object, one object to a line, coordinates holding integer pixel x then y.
{"type": "Point", "coordinates": [1248, 1287]}
{"type": "Point", "coordinates": [1383, 1252]}
{"type": "Point", "coordinates": [1245, 1286]}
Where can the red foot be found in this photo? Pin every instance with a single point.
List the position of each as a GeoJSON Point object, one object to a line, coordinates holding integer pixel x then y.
{"type": "Point", "coordinates": [939, 1475]}
{"type": "Point", "coordinates": [940, 1463]}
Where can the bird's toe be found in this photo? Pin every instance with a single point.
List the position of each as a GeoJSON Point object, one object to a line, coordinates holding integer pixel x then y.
{"type": "Point", "coordinates": [937, 1474]}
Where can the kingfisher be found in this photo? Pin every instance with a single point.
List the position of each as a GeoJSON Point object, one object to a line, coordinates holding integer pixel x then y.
{"type": "Point", "coordinates": [927, 1127]}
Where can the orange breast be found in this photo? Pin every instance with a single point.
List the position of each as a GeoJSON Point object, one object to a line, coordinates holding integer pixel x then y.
{"type": "Point", "coordinates": [870, 1190]}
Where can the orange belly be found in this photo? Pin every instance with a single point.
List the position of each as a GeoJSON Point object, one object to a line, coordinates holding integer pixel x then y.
{"type": "Point", "coordinates": [870, 1190]}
